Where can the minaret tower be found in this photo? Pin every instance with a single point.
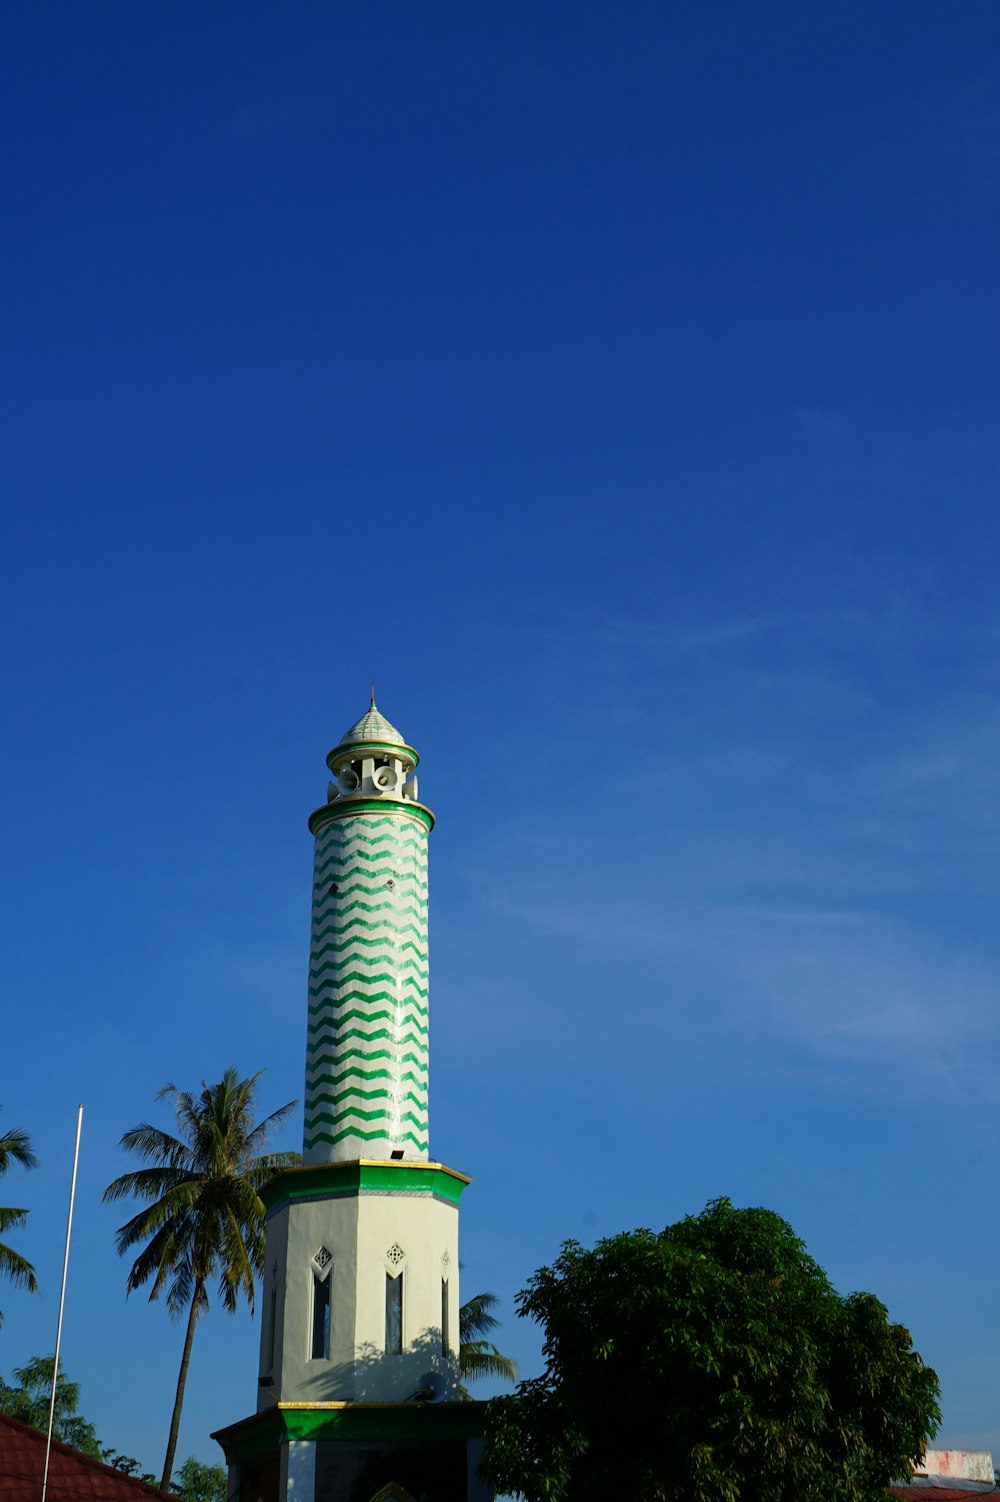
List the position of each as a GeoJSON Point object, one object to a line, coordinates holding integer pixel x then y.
{"type": "Point", "coordinates": [366, 1055]}
{"type": "Point", "coordinates": [358, 1386]}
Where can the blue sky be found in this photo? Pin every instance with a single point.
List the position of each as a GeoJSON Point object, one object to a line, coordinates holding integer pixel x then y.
{"type": "Point", "coordinates": [618, 385]}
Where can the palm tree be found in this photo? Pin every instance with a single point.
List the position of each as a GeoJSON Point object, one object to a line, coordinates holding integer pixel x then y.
{"type": "Point", "coordinates": [205, 1218]}
{"type": "Point", "coordinates": [15, 1147]}
{"type": "Point", "coordinates": [478, 1357]}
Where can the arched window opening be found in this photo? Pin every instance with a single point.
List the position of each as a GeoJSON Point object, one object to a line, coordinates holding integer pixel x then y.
{"type": "Point", "coordinates": [322, 1294]}
{"type": "Point", "coordinates": [393, 1313]}
{"type": "Point", "coordinates": [272, 1320]}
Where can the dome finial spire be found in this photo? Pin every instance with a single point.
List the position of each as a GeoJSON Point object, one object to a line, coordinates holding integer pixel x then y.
{"type": "Point", "coordinates": [373, 693]}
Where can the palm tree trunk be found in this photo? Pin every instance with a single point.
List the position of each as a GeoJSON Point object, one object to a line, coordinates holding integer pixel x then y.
{"type": "Point", "coordinates": [175, 1419]}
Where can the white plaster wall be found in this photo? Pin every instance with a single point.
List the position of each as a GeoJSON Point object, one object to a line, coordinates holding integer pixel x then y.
{"type": "Point", "coordinates": [298, 1471]}
{"type": "Point", "coordinates": [425, 1229]}
{"type": "Point", "coordinates": [312, 1225]}
{"type": "Point", "coordinates": [967, 1465]}
{"type": "Point", "coordinates": [359, 1231]}
{"type": "Point", "coordinates": [275, 1263]}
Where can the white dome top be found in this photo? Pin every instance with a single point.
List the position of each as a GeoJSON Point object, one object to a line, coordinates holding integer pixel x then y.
{"type": "Point", "coordinates": [372, 727]}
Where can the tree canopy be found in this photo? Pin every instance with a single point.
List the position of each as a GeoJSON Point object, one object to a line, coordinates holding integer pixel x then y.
{"type": "Point", "coordinates": [27, 1398]}
{"type": "Point", "coordinates": [197, 1482]}
{"type": "Point", "coordinates": [709, 1362]}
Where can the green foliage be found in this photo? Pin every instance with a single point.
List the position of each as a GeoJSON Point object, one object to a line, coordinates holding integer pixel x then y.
{"type": "Point", "coordinates": [15, 1147]}
{"type": "Point", "coordinates": [204, 1218]}
{"type": "Point", "coordinates": [709, 1362]}
{"type": "Point", "coordinates": [128, 1466]}
{"type": "Point", "coordinates": [29, 1400]}
{"type": "Point", "coordinates": [200, 1483]}
{"type": "Point", "coordinates": [478, 1357]}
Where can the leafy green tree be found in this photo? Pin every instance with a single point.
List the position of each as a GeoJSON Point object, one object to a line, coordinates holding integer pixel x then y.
{"type": "Point", "coordinates": [15, 1147]}
{"type": "Point", "coordinates": [197, 1482]}
{"type": "Point", "coordinates": [127, 1464]}
{"type": "Point", "coordinates": [28, 1398]}
{"type": "Point", "coordinates": [29, 1401]}
{"type": "Point", "coordinates": [205, 1217]}
{"type": "Point", "coordinates": [709, 1362]}
{"type": "Point", "coordinates": [478, 1357]}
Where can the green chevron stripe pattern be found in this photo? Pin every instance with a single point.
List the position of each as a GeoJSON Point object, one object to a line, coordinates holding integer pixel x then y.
{"type": "Point", "coordinates": [366, 1052]}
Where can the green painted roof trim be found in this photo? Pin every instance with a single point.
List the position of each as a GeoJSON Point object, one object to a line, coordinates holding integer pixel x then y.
{"type": "Point", "coordinates": [253, 1436]}
{"type": "Point", "coordinates": [403, 1422]}
{"type": "Point", "coordinates": [354, 806]}
{"type": "Point", "coordinates": [339, 1179]}
{"type": "Point", "coordinates": [371, 1422]}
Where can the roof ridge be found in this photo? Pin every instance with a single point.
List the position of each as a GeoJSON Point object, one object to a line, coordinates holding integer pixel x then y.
{"type": "Point", "coordinates": [60, 1446]}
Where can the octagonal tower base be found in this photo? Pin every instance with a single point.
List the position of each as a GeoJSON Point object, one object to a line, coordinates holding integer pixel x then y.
{"type": "Point", "coordinates": [357, 1452]}
{"type": "Point", "coordinates": [359, 1394]}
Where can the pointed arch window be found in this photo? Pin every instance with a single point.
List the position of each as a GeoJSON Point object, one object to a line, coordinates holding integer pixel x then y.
{"type": "Point", "coordinates": [272, 1320]}
{"type": "Point", "coordinates": [392, 1493]}
{"type": "Point", "coordinates": [445, 1319]}
{"type": "Point", "coordinates": [393, 1314]}
{"type": "Point", "coordinates": [395, 1259]}
{"type": "Point", "coordinates": [322, 1294]}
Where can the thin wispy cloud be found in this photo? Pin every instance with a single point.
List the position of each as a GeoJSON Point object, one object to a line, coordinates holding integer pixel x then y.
{"type": "Point", "coordinates": [793, 877]}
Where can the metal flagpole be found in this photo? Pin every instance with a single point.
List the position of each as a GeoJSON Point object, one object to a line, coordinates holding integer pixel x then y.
{"type": "Point", "coordinates": [62, 1301]}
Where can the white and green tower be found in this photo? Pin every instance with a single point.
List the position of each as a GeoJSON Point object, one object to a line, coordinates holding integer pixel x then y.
{"type": "Point", "coordinates": [358, 1387]}
{"type": "Point", "coordinates": [366, 1056]}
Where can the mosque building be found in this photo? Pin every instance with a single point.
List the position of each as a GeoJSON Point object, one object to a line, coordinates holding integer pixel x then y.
{"type": "Point", "coordinates": [359, 1397]}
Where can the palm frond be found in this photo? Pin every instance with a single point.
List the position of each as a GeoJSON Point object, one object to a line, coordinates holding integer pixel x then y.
{"type": "Point", "coordinates": [147, 1183]}
{"type": "Point", "coordinates": [479, 1358]}
{"type": "Point", "coordinates": [266, 1165]}
{"type": "Point", "coordinates": [185, 1288]}
{"type": "Point", "coordinates": [204, 1219]}
{"type": "Point", "coordinates": [154, 1145]}
{"type": "Point", "coordinates": [474, 1317]}
{"type": "Point", "coordinates": [240, 1263]}
{"type": "Point", "coordinates": [15, 1147]}
{"type": "Point", "coordinates": [171, 1209]}
{"type": "Point", "coordinates": [17, 1268]}
{"type": "Point", "coordinates": [158, 1258]}
{"type": "Point", "coordinates": [265, 1130]}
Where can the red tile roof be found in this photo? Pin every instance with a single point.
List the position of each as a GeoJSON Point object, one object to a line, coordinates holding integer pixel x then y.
{"type": "Point", "coordinates": [71, 1475]}
{"type": "Point", "coordinates": [946, 1492]}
